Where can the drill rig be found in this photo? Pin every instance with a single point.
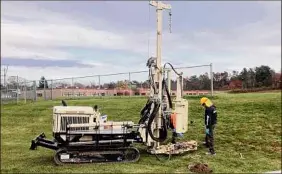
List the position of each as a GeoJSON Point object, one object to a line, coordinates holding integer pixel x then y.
{"type": "Point", "coordinates": [82, 135]}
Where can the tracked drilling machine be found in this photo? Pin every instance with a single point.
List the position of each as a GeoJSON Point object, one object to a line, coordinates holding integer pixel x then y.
{"type": "Point", "coordinates": [82, 135]}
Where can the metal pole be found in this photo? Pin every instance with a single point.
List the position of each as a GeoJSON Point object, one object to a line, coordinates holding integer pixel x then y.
{"type": "Point", "coordinates": [44, 89]}
{"type": "Point", "coordinates": [99, 81]}
{"type": "Point", "coordinates": [211, 72]}
{"type": "Point", "coordinates": [72, 85]}
{"type": "Point", "coordinates": [5, 74]}
{"type": "Point", "coordinates": [17, 89]}
{"type": "Point", "coordinates": [7, 90]}
{"type": "Point", "coordinates": [4, 78]}
{"type": "Point", "coordinates": [62, 86]}
{"type": "Point", "coordinates": [51, 89]}
{"type": "Point", "coordinates": [34, 90]}
{"type": "Point", "coordinates": [25, 91]}
{"type": "Point", "coordinates": [159, 74]}
{"type": "Point", "coordinates": [141, 88]}
{"type": "Point", "coordinates": [182, 93]}
{"type": "Point", "coordinates": [129, 79]}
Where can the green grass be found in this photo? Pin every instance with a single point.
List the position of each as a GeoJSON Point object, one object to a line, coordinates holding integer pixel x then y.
{"type": "Point", "coordinates": [249, 124]}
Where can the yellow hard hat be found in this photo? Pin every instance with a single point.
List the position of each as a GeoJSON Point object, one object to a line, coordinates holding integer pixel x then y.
{"type": "Point", "coordinates": [207, 102]}
{"type": "Point", "coordinates": [203, 100]}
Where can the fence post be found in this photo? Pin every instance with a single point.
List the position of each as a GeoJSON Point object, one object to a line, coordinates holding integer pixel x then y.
{"type": "Point", "coordinates": [130, 87]}
{"type": "Point", "coordinates": [34, 91]}
{"type": "Point", "coordinates": [99, 81]}
{"type": "Point", "coordinates": [17, 89]}
{"type": "Point", "coordinates": [211, 72]}
{"type": "Point", "coordinates": [44, 89]}
{"type": "Point", "coordinates": [51, 89]}
{"type": "Point", "coordinates": [72, 86]}
{"type": "Point", "coordinates": [6, 86]}
{"type": "Point", "coordinates": [7, 90]}
{"type": "Point", "coordinates": [25, 91]}
{"type": "Point", "coordinates": [5, 78]}
{"type": "Point", "coordinates": [141, 87]}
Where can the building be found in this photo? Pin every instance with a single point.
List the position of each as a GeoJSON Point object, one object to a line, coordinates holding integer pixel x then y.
{"type": "Point", "coordinates": [62, 92]}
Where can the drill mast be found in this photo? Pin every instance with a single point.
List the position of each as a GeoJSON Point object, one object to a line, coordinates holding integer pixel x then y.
{"type": "Point", "coordinates": [158, 76]}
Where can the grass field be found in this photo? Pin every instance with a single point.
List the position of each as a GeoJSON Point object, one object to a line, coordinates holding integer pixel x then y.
{"type": "Point", "coordinates": [249, 124]}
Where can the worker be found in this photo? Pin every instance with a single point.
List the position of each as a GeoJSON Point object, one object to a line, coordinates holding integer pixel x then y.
{"type": "Point", "coordinates": [210, 122]}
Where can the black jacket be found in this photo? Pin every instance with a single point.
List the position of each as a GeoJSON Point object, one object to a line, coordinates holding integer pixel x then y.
{"type": "Point", "coordinates": [210, 116]}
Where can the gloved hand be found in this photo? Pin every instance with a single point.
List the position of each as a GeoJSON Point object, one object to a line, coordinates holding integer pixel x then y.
{"type": "Point", "coordinates": [207, 131]}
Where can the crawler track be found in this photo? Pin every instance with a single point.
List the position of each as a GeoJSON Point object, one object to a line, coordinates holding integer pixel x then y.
{"type": "Point", "coordinates": [119, 155]}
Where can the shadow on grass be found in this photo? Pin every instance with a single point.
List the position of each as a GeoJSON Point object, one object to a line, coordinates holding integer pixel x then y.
{"type": "Point", "coordinates": [47, 160]}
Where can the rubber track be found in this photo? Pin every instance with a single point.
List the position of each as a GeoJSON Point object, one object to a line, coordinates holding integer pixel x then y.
{"type": "Point", "coordinates": [108, 151]}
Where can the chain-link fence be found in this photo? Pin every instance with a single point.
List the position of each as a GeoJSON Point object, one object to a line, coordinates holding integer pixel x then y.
{"type": "Point", "coordinates": [197, 80]}
{"type": "Point", "coordinates": [128, 84]}
{"type": "Point", "coordinates": [18, 90]}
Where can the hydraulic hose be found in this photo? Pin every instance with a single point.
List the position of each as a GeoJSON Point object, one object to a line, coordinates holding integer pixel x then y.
{"type": "Point", "coordinates": [145, 112]}
{"type": "Point", "coordinates": [167, 93]}
{"type": "Point", "coordinates": [172, 68]}
{"type": "Point", "coordinates": [163, 130]}
{"type": "Point", "coordinates": [146, 106]}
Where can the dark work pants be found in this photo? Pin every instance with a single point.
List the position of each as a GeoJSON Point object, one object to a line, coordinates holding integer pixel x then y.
{"type": "Point", "coordinates": [210, 139]}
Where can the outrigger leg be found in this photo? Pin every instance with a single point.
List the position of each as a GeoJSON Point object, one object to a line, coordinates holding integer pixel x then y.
{"type": "Point", "coordinates": [41, 141]}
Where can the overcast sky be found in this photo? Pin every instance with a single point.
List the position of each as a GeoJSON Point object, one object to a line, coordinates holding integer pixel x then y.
{"type": "Point", "coordinates": [64, 39]}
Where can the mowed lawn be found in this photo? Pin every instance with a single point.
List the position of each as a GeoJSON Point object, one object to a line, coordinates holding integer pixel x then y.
{"type": "Point", "coordinates": [247, 137]}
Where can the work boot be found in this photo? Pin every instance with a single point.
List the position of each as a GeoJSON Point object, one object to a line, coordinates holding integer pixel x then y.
{"type": "Point", "coordinates": [209, 153]}
{"type": "Point", "coordinates": [205, 144]}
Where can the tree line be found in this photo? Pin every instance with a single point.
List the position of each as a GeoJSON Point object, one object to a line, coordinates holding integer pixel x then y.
{"type": "Point", "coordinates": [262, 76]}
{"type": "Point", "coordinates": [258, 77]}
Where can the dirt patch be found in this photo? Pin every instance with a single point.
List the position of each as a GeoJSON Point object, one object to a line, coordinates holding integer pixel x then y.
{"type": "Point", "coordinates": [276, 147]}
{"type": "Point", "coordinates": [199, 168]}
